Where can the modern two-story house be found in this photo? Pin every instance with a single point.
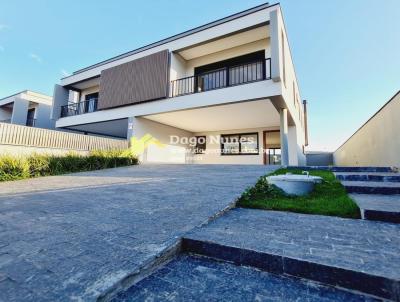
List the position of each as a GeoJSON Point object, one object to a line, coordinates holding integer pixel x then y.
{"type": "Point", "coordinates": [27, 108]}
{"type": "Point", "coordinates": [225, 92]}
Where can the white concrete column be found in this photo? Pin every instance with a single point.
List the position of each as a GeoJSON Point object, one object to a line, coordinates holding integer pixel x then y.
{"type": "Point", "coordinates": [284, 137]}
{"type": "Point", "coordinates": [20, 111]}
{"type": "Point", "coordinates": [274, 30]}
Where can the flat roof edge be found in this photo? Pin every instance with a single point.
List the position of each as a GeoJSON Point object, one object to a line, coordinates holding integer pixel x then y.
{"type": "Point", "coordinates": [177, 36]}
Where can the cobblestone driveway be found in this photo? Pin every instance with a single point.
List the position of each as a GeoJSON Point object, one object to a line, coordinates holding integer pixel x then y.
{"type": "Point", "coordinates": [71, 237]}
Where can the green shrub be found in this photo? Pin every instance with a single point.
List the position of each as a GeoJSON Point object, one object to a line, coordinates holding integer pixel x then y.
{"type": "Point", "coordinates": [12, 168]}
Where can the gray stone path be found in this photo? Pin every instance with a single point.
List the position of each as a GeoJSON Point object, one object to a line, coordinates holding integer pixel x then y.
{"type": "Point", "coordinates": [189, 278]}
{"type": "Point", "coordinates": [70, 238]}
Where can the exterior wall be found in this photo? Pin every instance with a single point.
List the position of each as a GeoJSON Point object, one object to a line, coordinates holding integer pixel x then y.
{"type": "Point", "coordinates": [319, 158]}
{"type": "Point", "coordinates": [5, 114]}
{"type": "Point", "coordinates": [283, 72]}
{"type": "Point", "coordinates": [213, 156]}
{"type": "Point", "coordinates": [247, 20]}
{"type": "Point", "coordinates": [177, 67]}
{"type": "Point", "coordinates": [377, 142]}
{"type": "Point", "coordinates": [256, 90]}
{"type": "Point", "coordinates": [170, 153]}
{"type": "Point", "coordinates": [43, 120]}
{"type": "Point", "coordinates": [20, 111]}
{"type": "Point", "coordinates": [60, 98]}
{"type": "Point", "coordinates": [87, 91]}
{"type": "Point", "coordinates": [140, 80]}
{"type": "Point", "coordinates": [227, 54]}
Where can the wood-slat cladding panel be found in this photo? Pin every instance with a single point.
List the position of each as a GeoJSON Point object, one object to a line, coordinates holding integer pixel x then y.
{"type": "Point", "coordinates": [137, 81]}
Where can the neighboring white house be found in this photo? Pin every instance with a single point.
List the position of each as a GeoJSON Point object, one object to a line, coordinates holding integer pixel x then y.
{"type": "Point", "coordinates": [27, 108]}
{"type": "Point", "coordinates": [225, 92]}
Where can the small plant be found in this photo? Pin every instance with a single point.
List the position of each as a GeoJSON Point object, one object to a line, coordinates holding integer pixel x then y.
{"type": "Point", "coordinates": [12, 168]}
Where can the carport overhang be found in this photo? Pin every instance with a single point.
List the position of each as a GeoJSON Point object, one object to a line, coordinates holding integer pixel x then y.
{"type": "Point", "coordinates": [242, 115]}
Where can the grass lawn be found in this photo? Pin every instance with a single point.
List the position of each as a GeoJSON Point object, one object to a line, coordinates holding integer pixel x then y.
{"type": "Point", "coordinates": [328, 198]}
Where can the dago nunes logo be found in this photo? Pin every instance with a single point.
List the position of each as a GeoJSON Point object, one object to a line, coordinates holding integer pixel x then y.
{"type": "Point", "coordinates": [138, 146]}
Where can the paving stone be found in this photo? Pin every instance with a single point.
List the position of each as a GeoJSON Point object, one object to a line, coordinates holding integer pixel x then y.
{"type": "Point", "coordinates": [353, 253]}
{"type": "Point", "coordinates": [72, 237]}
{"type": "Point", "coordinates": [372, 187]}
{"type": "Point", "coordinates": [379, 207]}
{"type": "Point", "coordinates": [368, 176]}
{"type": "Point", "coordinates": [190, 278]}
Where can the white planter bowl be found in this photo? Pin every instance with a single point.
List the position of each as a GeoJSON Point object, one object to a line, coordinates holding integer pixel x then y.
{"type": "Point", "coordinates": [294, 184]}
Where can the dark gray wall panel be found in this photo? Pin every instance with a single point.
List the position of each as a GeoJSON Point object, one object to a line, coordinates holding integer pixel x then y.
{"type": "Point", "coordinates": [137, 81]}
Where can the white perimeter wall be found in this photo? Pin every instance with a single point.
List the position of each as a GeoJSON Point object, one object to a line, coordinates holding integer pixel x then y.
{"type": "Point", "coordinates": [377, 143]}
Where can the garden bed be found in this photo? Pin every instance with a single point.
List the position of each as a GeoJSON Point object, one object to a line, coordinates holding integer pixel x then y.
{"type": "Point", "coordinates": [328, 198]}
{"type": "Point", "coordinates": [14, 168]}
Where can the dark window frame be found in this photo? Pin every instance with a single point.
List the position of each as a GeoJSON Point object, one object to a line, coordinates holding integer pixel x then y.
{"type": "Point", "coordinates": [240, 145]}
{"type": "Point", "coordinates": [200, 150]}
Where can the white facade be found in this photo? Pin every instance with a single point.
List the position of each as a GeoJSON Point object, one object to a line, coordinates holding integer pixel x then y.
{"type": "Point", "coordinates": [266, 101]}
{"type": "Point", "coordinates": [27, 108]}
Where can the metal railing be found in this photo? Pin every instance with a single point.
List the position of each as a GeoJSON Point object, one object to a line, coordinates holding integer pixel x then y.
{"type": "Point", "coordinates": [79, 108]}
{"type": "Point", "coordinates": [31, 122]}
{"type": "Point", "coordinates": [221, 78]}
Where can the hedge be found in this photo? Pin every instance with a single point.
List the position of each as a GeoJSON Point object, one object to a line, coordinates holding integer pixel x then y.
{"type": "Point", "coordinates": [13, 168]}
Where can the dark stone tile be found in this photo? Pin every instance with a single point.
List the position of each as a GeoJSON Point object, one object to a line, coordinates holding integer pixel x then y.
{"type": "Point", "coordinates": [192, 278]}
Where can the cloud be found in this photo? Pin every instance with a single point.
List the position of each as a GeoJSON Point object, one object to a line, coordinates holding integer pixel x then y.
{"type": "Point", "coordinates": [35, 57]}
{"type": "Point", "coordinates": [65, 73]}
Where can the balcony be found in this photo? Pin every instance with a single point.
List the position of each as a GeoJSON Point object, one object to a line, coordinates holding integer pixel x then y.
{"type": "Point", "coordinates": [79, 108]}
{"type": "Point", "coordinates": [222, 78]}
{"type": "Point", "coordinates": [230, 76]}
{"type": "Point", "coordinates": [30, 122]}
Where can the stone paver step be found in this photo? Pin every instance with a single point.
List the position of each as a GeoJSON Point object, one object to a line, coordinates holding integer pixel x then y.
{"type": "Point", "coordinates": [368, 176]}
{"type": "Point", "coordinates": [344, 169]}
{"type": "Point", "coordinates": [355, 254]}
{"type": "Point", "coordinates": [193, 278]}
{"type": "Point", "coordinates": [372, 187]}
{"type": "Point", "coordinates": [378, 207]}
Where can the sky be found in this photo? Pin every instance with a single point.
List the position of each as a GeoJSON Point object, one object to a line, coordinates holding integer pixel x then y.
{"type": "Point", "coordinates": [346, 53]}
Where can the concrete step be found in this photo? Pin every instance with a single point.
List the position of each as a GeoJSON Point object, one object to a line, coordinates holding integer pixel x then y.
{"type": "Point", "coordinates": [378, 207]}
{"type": "Point", "coordinates": [344, 169]}
{"type": "Point", "coordinates": [368, 176]}
{"type": "Point", "coordinates": [372, 187]}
